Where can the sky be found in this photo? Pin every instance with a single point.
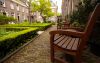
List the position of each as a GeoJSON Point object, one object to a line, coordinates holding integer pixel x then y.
{"type": "Point", "coordinates": [59, 3]}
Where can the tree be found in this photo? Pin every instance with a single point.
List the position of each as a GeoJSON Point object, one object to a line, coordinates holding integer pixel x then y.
{"type": "Point", "coordinates": [44, 7]}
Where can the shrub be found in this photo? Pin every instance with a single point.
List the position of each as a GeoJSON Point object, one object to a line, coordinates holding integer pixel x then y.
{"type": "Point", "coordinates": [81, 15]}
{"type": "Point", "coordinates": [11, 41]}
{"type": "Point", "coordinates": [42, 26]}
{"type": "Point", "coordinates": [4, 19]}
{"type": "Point", "coordinates": [75, 24]}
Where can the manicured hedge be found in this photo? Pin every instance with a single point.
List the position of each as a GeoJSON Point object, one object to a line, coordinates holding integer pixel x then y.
{"type": "Point", "coordinates": [26, 25]}
{"type": "Point", "coordinates": [11, 41]}
{"type": "Point", "coordinates": [42, 26]}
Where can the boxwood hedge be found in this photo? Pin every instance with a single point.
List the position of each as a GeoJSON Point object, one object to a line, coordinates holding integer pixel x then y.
{"type": "Point", "coordinates": [41, 26]}
{"type": "Point", "coordinates": [12, 41]}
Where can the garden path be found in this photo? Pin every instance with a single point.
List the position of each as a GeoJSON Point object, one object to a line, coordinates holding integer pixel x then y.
{"type": "Point", "coordinates": [38, 51]}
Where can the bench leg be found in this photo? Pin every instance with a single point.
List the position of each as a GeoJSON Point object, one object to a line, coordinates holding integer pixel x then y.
{"type": "Point", "coordinates": [52, 55]}
{"type": "Point", "coordinates": [78, 59]}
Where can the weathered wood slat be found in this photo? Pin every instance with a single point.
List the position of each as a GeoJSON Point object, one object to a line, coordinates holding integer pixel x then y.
{"type": "Point", "coordinates": [59, 40]}
{"type": "Point", "coordinates": [57, 36]}
{"type": "Point", "coordinates": [67, 42]}
{"type": "Point", "coordinates": [70, 43]}
{"type": "Point", "coordinates": [63, 41]}
{"type": "Point", "coordinates": [75, 45]}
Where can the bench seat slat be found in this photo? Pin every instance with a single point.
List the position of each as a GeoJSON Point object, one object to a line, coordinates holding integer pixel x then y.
{"type": "Point", "coordinates": [63, 41]}
{"type": "Point", "coordinates": [76, 43]}
{"type": "Point", "coordinates": [59, 40]}
{"type": "Point", "coordinates": [70, 43]}
{"type": "Point", "coordinates": [57, 36]}
{"type": "Point", "coordinates": [67, 42]}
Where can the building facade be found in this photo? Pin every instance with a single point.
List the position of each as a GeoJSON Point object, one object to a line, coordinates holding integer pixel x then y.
{"type": "Point", "coordinates": [16, 9]}
{"type": "Point", "coordinates": [68, 6]}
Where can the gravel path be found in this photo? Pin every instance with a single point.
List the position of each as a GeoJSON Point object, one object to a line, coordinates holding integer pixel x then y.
{"type": "Point", "coordinates": [38, 51]}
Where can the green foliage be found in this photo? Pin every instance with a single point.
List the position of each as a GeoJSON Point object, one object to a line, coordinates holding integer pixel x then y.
{"type": "Point", "coordinates": [4, 19]}
{"type": "Point", "coordinates": [26, 24]}
{"type": "Point", "coordinates": [75, 24]}
{"type": "Point", "coordinates": [18, 35]}
{"type": "Point", "coordinates": [58, 14]}
{"type": "Point", "coordinates": [42, 6]}
{"type": "Point", "coordinates": [7, 30]}
{"type": "Point", "coordinates": [13, 40]}
{"type": "Point", "coordinates": [85, 7]}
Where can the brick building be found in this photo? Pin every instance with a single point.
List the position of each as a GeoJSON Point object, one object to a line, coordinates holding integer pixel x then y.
{"type": "Point", "coordinates": [15, 8]}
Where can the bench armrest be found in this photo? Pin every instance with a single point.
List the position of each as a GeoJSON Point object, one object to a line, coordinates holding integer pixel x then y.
{"type": "Point", "coordinates": [68, 32]}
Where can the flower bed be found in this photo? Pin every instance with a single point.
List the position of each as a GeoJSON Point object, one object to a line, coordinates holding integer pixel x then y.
{"type": "Point", "coordinates": [12, 41]}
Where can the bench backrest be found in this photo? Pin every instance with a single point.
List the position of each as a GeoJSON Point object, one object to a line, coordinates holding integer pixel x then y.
{"type": "Point", "coordinates": [92, 20]}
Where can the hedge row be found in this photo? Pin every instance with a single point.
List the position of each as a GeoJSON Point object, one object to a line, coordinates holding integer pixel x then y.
{"type": "Point", "coordinates": [12, 41]}
{"type": "Point", "coordinates": [41, 26]}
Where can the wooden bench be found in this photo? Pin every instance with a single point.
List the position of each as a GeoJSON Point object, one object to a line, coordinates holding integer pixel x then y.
{"type": "Point", "coordinates": [72, 42]}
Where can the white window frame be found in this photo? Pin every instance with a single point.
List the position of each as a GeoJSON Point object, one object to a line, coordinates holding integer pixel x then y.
{"type": "Point", "coordinates": [17, 7]}
{"type": "Point", "coordinates": [4, 4]}
{"type": "Point", "coordinates": [12, 6]}
{"type": "Point", "coordinates": [13, 15]}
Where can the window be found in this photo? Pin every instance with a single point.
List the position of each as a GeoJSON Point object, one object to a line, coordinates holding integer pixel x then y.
{"type": "Point", "coordinates": [17, 7]}
{"type": "Point", "coordinates": [13, 14]}
{"type": "Point", "coordinates": [1, 2]}
{"type": "Point", "coordinates": [4, 5]}
{"type": "Point", "coordinates": [12, 6]}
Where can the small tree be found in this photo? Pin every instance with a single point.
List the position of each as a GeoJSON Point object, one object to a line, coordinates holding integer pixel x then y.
{"type": "Point", "coordinates": [44, 7]}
